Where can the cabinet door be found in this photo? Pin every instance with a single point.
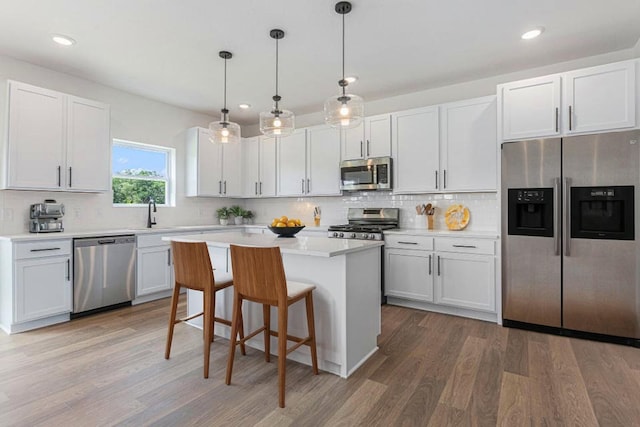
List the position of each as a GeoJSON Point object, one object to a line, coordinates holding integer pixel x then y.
{"type": "Point", "coordinates": [291, 164]}
{"type": "Point", "coordinates": [250, 162]}
{"type": "Point", "coordinates": [468, 145]}
{"type": "Point", "coordinates": [209, 164]}
{"type": "Point", "coordinates": [232, 179]}
{"type": "Point", "coordinates": [267, 183]}
{"type": "Point", "coordinates": [88, 145]}
{"type": "Point", "coordinates": [465, 280]}
{"type": "Point", "coordinates": [531, 108]}
{"type": "Point", "coordinates": [323, 161]}
{"type": "Point", "coordinates": [353, 142]}
{"type": "Point", "coordinates": [36, 157]}
{"type": "Point", "coordinates": [43, 288]}
{"type": "Point", "coordinates": [408, 274]}
{"type": "Point", "coordinates": [416, 146]}
{"type": "Point", "coordinates": [600, 98]}
{"type": "Point", "coordinates": [377, 135]}
{"type": "Point", "coordinates": [154, 270]}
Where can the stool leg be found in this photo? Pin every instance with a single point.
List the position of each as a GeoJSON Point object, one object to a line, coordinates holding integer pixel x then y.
{"type": "Point", "coordinates": [308, 299]}
{"type": "Point", "coordinates": [237, 316]}
{"type": "Point", "coordinates": [243, 349]}
{"type": "Point", "coordinates": [282, 351]}
{"type": "Point", "coordinates": [213, 314]}
{"type": "Point", "coordinates": [172, 319]}
{"type": "Point", "coordinates": [208, 328]}
{"type": "Point", "coordinates": [266, 315]}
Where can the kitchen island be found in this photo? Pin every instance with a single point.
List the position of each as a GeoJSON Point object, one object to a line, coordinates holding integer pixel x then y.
{"type": "Point", "coordinates": [347, 276]}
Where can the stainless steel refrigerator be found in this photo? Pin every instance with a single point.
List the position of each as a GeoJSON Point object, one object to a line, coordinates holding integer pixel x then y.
{"type": "Point", "coordinates": [570, 245]}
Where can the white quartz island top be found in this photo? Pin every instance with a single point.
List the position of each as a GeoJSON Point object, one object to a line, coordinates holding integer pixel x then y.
{"type": "Point", "coordinates": [302, 245]}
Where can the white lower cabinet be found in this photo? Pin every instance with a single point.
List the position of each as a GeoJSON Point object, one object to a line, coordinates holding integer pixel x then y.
{"type": "Point", "coordinates": [35, 284]}
{"type": "Point", "coordinates": [444, 274]}
{"type": "Point", "coordinates": [154, 272]}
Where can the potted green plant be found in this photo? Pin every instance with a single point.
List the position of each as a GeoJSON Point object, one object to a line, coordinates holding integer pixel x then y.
{"type": "Point", "coordinates": [223, 215]}
{"type": "Point", "coordinates": [237, 212]}
{"type": "Point", "coordinates": [248, 217]}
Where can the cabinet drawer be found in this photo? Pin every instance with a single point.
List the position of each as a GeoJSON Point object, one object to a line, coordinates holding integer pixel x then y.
{"type": "Point", "coordinates": [473, 246]}
{"type": "Point", "coordinates": [42, 249]}
{"type": "Point", "coordinates": [401, 241]}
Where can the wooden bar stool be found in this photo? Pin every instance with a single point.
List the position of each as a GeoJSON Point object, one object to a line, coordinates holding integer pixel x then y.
{"type": "Point", "coordinates": [259, 277]}
{"type": "Point", "coordinates": [192, 269]}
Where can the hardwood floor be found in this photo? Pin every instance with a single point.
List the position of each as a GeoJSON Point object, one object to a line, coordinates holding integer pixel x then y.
{"type": "Point", "coordinates": [431, 369]}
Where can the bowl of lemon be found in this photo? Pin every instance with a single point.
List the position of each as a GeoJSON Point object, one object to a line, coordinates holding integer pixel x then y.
{"type": "Point", "coordinates": [286, 227]}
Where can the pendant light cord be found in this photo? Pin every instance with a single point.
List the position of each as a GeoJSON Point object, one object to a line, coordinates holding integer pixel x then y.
{"type": "Point", "coordinates": [343, 86]}
{"type": "Point", "coordinates": [276, 72]}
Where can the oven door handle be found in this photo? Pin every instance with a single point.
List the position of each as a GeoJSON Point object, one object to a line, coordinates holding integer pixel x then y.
{"type": "Point", "coordinates": [567, 216]}
{"type": "Point", "coordinates": [556, 216]}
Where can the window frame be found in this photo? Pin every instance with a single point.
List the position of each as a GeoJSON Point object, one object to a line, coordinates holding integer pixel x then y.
{"type": "Point", "coordinates": [170, 186]}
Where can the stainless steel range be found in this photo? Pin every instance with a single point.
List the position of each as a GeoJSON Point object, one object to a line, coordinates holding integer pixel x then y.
{"type": "Point", "coordinates": [366, 224]}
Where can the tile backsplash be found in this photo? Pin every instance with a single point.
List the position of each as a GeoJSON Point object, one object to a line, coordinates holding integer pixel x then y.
{"type": "Point", "coordinates": [483, 207]}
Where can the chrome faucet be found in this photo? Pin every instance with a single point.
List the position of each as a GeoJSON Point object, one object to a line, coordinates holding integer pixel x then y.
{"type": "Point", "coordinates": [149, 221]}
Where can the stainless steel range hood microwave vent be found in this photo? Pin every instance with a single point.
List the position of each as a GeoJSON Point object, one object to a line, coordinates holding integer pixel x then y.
{"type": "Point", "coordinates": [366, 174]}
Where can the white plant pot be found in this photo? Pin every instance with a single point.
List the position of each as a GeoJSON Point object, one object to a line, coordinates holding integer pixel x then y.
{"type": "Point", "coordinates": [238, 220]}
{"type": "Point", "coordinates": [224, 221]}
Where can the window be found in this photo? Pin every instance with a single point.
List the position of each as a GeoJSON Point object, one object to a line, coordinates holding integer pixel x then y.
{"type": "Point", "coordinates": [141, 172]}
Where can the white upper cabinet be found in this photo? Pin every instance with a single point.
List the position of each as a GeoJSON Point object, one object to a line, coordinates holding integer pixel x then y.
{"type": "Point", "coordinates": [309, 162]}
{"type": "Point", "coordinates": [468, 159]}
{"type": "Point", "coordinates": [600, 98]}
{"type": "Point", "coordinates": [291, 164]}
{"type": "Point", "coordinates": [258, 167]}
{"type": "Point", "coordinates": [57, 141]}
{"type": "Point", "coordinates": [416, 150]}
{"type": "Point", "coordinates": [531, 108]}
{"type": "Point", "coordinates": [371, 139]}
{"type": "Point", "coordinates": [212, 170]}
{"type": "Point", "coordinates": [589, 100]}
{"type": "Point", "coordinates": [323, 161]}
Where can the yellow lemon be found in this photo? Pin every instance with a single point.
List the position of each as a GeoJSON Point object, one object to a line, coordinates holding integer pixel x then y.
{"type": "Point", "coordinates": [291, 223]}
{"type": "Point", "coordinates": [284, 219]}
{"type": "Point", "coordinates": [281, 224]}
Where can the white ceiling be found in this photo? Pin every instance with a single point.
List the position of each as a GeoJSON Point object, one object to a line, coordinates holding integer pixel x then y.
{"type": "Point", "coordinates": [168, 50]}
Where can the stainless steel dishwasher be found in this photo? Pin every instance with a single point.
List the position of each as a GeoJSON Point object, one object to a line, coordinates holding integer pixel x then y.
{"type": "Point", "coordinates": [103, 273]}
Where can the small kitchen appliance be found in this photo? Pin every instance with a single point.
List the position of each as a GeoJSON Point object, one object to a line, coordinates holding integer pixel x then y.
{"type": "Point", "coordinates": [46, 217]}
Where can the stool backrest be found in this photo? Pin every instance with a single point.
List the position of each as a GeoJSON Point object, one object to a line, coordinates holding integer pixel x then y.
{"type": "Point", "coordinates": [192, 265]}
{"type": "Point", "coordinates": [258, 274]}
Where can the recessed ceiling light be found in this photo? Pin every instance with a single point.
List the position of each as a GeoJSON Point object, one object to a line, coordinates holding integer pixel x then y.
{"type": "Point", "coordinates": [244, 106]}
{"type": "Point", "coordinates": [351, 79]}
{"type": "Point", "coordinates": [63, 40]}
{"type": "Point", "coordinates": [532, 34]}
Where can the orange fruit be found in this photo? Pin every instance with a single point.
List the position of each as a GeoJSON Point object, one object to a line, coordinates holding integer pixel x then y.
{"type": "Point", "coordinates": [291, 223]}
{"type": "Point", "coordinates": [274, 222]}
{"type": "Point", "coordinates": [284, 219]}
{"type": "Point", "coordinates": [281, 224]}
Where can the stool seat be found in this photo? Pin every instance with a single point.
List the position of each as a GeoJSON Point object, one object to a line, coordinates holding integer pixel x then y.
{"type": "Point", "coordinates": [223, 280]}
{"type": "Point", "coordinates": [298, 289]}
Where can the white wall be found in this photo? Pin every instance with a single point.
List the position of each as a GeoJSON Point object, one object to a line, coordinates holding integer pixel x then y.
{"type": "Point", "coordinates": [132, 118]}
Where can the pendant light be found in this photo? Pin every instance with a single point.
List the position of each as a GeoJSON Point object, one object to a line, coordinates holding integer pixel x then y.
{"type": "Point", "coordinates": [224, 131]}
{"type": "Point", "coordinates": [346, 110]}
{"type": "Point", "coordinates": [277, 122]}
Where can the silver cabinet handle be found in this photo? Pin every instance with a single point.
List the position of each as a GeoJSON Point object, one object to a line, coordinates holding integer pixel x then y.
{"type": "Point", "coordinates": [70, 177]}
{"type": "Point", "coordinates": [567, 216]}
{"type": "Point", "coordinates": [302, 185]}
{"type": "Point", "coordinates": [45, 249]}
{"type": "Point", "coordinates": [68, 269]}
{"type": "Point", "coordinates": [169, 256]}
{"type": "Point", "coordinates": [570, 118]}
{"type": "Point", "coordinates": [436, 180]}
{"type": "Point", "coordinates": [408, 243]}
{"type": "Point", "coordinates": [465, 246]}
{"type": "Point", "coordinates": [361, 149]}
{"type": "Point", "coordinates": [429, 265]}
{"type": "Point", "coordinates": [556, 216]}
{"type": "Point", "coordinates": [260, 188]}
{"type": "Point", "coordinates": [444, 178]}
{"type": "Point", "coordinates": [256, 190]}
{"type": "Point", "coordinates": [308, 185]}
{"type": "Point", "coordinates": [59, 179]}
{"type": "Point", "coordinates": [368, 144]}
{"type": "Point", "coordinates": [557, 119]}
{"type": "Point", "coordinates": [225, 187]}
{"type": "Point", "coordinates": [438, 265]}
{"type": "Point", "coordinates": [219, 187]}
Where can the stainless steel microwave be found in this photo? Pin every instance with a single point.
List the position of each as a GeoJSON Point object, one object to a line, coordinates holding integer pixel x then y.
{"type": "Point", "coordinates": [366, 174]}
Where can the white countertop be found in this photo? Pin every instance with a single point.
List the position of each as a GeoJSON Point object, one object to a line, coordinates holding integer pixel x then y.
{"type": "Point", "coordinates": [301, 245]}
{"type": "Point", "coordinates": [444, 233]}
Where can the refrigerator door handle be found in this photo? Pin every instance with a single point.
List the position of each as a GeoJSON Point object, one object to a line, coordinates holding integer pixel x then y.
{"type": "Point", "coordinates": [556, 216]}
{"type": "Point", "coordinates": [567, 216]}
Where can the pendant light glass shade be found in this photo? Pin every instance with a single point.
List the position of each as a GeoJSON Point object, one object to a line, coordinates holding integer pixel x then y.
{"type": "Point", "coordinates": [345, 110]}
{"type": "Point", "coordinates": [277, 122]}
{"type": "Point", "coordinates": [224, 131]}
